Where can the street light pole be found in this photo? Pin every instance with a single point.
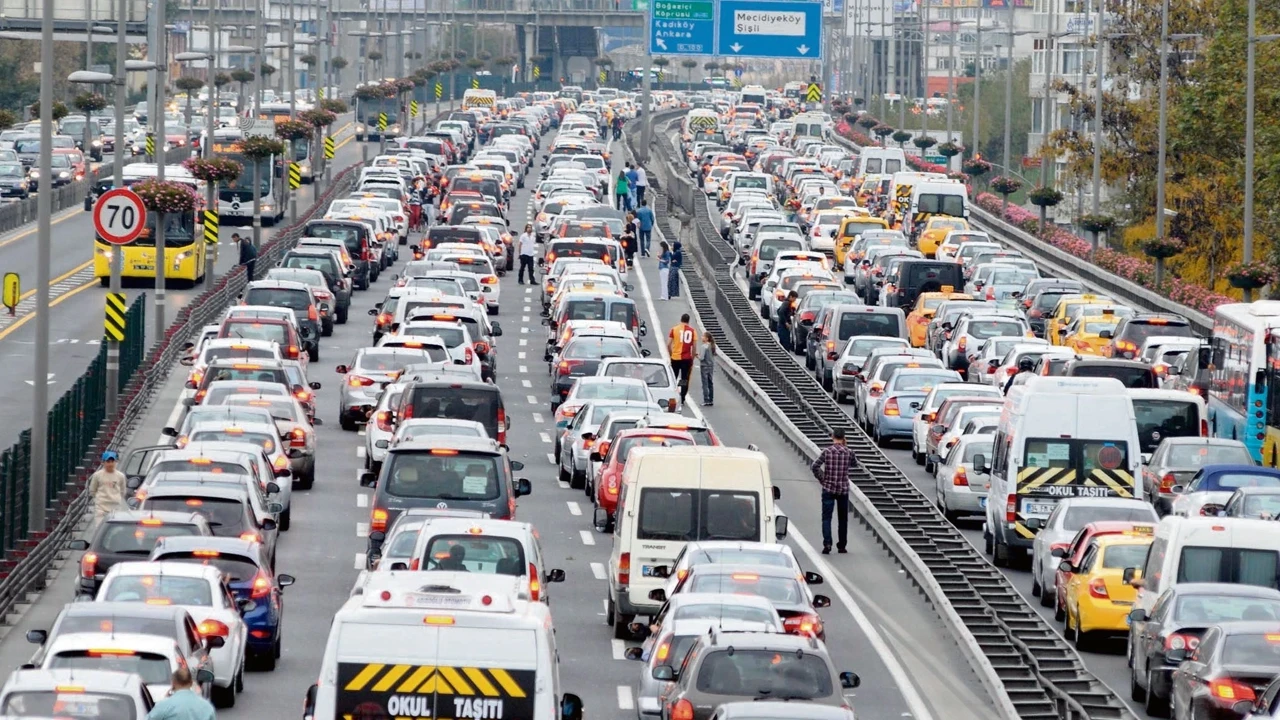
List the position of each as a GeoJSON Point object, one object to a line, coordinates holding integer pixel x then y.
{"type": "Point", "coordinates": [1006, 159]}
{"type": "Point", "coordinates": [977, 91]}
{"type": "Point", "coordinates": [37, 492]}
{"type": "Point", "coordinates": [260, 42]}
{"type": "Point", "coordinates": [1250, 70]}
{"type": "Point", "coordinates": [117, 180]}
{"type": "Point", "coordinates": [162, 62]}
{"type": "Point", "coordinates": [1164, 118]}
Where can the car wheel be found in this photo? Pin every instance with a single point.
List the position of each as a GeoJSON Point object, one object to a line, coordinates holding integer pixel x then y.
{"type": "Point", "coordinates": [999, 554]}
{"type": "Point", "coordinates": [346, 423]}
{"type": "Point", "coordinates": [314, 353]}
{"type": "Point", "coordinates": [240, 678]}
{"type": "Point", "coordinates": [1136, 691]}
{"type": "Point", "coordinates": [916, 455]}
{"type": "Point", "coordinates": [309, 479]}
{"type": "Point", "coordinates": [1059, 614]}
{"type": "Point", "coordinates": [841, 398]}
{"type": "Point", "coordinates": [577, 479]}
{"type": "Point", "coordinates": [609, 611]}
{"type": "Point", "coordinates": [620, 623]}
{"type": "Point", "coordinates": [286, 519]}
{"type": "Point", "coordinates": [564, 475]}
{"type": "Point", "coordinates": [1155, 705]}
{"type": "Point", "coordinates": [1048, 595]}
{"type": "Point", "coordinates": [224, 697]}
{"type": "Point", "coordinates": [266, 661]}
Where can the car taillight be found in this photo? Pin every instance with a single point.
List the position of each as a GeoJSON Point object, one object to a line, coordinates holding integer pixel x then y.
{"type": "Point", "coordinates": [1177, 641]}
{"type": "Point", "coordinates": [891, 407]}
{"type": "Point", "coordinates": [383, 420]}
{"type": "Point", "coordinates": [489, 280]}
{"type": "Point", "coordinates": [611, 487]}
{"type": "Point", "coordinates": [535, 584]}
{"type": "Point", "coordinates": [1204, 424]}
{"type": "Point", "coordinates": [251, 537]}
{"type": "Point", "coordinates": [807, 624]}
{"type": "Point", "coordinates": [962, 343]}
{"type": "Point", "coordinates": [961, 478]}
{"type": "Point", "coordinates": [682, 710]}
{"type": "Point", "coordinates": [297, 437]}
{"type": "Point", "coordinates": [359, 381]}
{"type": "Point", "coordinates": [302, 395]}
{"type": "Point", "coordinates": [197, 377]}
{"type": "Point", "coordinates": [875, 389]}
{"type": "Point", "coordinates": [566, 366]}
{"type": "Point", "coordinates": [323, 295]}
{"type": "Point", "coordinates": [1167, 482]}
{"type": "Point", "coordinates": [1035, 313]}
{"type": "Point", "coordinates": [1228, 691]}
{"type": "Point", "coordinates": [624, 569]}
{"type": "Point", "coordinates": [261, 585]}
{"type": "Point", "coordinates": [292, 352]}
{"type": "Point", "coordinates": [1011, 510]}
{"type": "Point", "coordinates": [280, 463]}
{"type": "Point", "coordinates": [468, 355]}
{"type": "Point", "coordinates": [991, 293]}
{"type": "Point", "coordinates": [199, 398]}
{"type": "Point", "coordinates": [502, 425]}
{"type": "Point", "coordinates": [383, 318]}
{"type": "Point", "coordinates": [88, 564]}
{"type": "Point", "coordinates": [378, 520]}
{"type": "Point", "coordinates": [1098, 588]}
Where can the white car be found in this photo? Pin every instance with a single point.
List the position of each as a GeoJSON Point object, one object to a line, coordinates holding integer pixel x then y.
{"type": "Point", "coordinates": [924, 418]}
{"type": "Point", "coordinates": [655, 372]}
{"type": "Point", "coordinates": [203, 592]}
{"type": "Point", "coordinates": [152, 657]}
{"type": "Point", "coordinates": [105, 693]}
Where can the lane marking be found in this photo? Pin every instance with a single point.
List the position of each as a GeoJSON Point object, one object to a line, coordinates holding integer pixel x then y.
{"type": "Point", "coordinates": [526, 383]}
{"type": "Point", "coordinates": [520, 355]}
{"type": "Point", "coordinates": [537, 418]}
{"type": "Point", "coordinates": [597, 569]}
{"type": "Point", "coordinates": [545, 437]}
{"type": "Point", "coordinates": [360, 561]}
{"type": "Point", "coordinates": [524, 330]}
{"type": "Point", "coordinates": [587, 538]}
{"type": "Point", "coordinates": [563, 485]}
{"type": "Point", "coordinates": [533, 400]}
{"type": "Point", "coordinates": [64, 216]}
{"type": "Point", "coordinates": [360, 452]}
{"type": "Point", "coordinates": [624, 698]}
{"type": "Point", "coordinates": [619, 647]}
{"type": "Point", "coordinates": [574, 509]}
{"type": "Point", "coordinates": [656, 322]}
{"type": "Point", "coordinates": [524, 368]}
{"type": "Point", "coordinates": [524, 318]}
{"type": "Point", "coordinates": [362, 432]}
{"type": "Point", "coordinates": [552, 459]}
{"type": "Point", "coordinates": [362, 530]}
{"type": "Point", "coordinates": [523, 342]}
{"type": "Point", "coordinates": [362, 500]}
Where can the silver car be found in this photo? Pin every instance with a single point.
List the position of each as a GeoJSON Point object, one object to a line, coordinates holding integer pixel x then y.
{"type": "Point", "coordinates": [580, 436]}
{"type": "Point", "coordinates": [367, 374]}
{"type": "Point", "coordinates": [844, 377]}
{"type": "Point", "coordinates": [1068, 516]}
{"type": "Point", "coordinates": [959, 488]}
{"type": "Point", "coordinates": [655, 372]}
{"type": "Point", "coordinates": [1176, 460]}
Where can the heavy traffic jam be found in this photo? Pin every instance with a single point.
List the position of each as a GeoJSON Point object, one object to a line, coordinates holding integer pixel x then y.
{"type": "Point", "coordinates": [1109, 451]}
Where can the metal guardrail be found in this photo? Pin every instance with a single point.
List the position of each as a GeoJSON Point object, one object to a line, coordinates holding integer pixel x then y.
{"type": "Point", "coordinates": [1026, 667]}
{"type": "Point", "coordinates": [15, 214]}
{"type": "Point", "coordinates": [1064, 264]}
{"type": "Point", "coordinates": [27, 561]}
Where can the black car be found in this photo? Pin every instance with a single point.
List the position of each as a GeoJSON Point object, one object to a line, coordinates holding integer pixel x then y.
{"type": "Point", "coordinates": [454, 397]}
{"type": "Point", "coordinates": [921, 276]}
{"type": "Point", "coordinates": [129, 535]}
{"type": "Point", "coordinates": [1234, 663]}
{"type": "Point", "coordinates": [1132, 373]}
{"type": "Point", "coordinates": [329, 264]}
{"type": "Point", "coordinates": [444, 472]}
{"type": "Point", "coordinates": [358, 237]}
{"type": "Point", "coordinates": [1161, 639]}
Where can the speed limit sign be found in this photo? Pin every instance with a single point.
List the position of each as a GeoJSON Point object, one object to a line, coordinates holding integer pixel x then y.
{"type": "Point", "coordinates": [119, 216]}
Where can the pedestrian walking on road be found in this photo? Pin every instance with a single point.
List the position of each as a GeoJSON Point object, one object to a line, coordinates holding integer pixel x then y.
{"type": "Point", "coordinates": [528, 245]}
{"type": "Point", "coordinates": [707, 369]}
{"type": "Point", "coordinates": [248, 255]}
{"type": "Point", "coordinates": [622, 191]}
{"type": "Point", "coordinates": [645, 217]}
{"type": "Point", "coordinates": [673, 277]}
{"type": "Point", "coordinates": [183, 702]}
{"type": "Point", "coordinates": [107, 487]}
{"type": "Point", "coordinates": [832, 471]}
{"type": "Point", "coordinates": [632, 178]}
{"type": "Point", "coordinates": [664, 269]}
{"type": "Point", "coordinates": [786, 313]}
{"type": "Point", "coordinates": [682, 346]}
{"type": "Point", "coordinates": [642, 183]}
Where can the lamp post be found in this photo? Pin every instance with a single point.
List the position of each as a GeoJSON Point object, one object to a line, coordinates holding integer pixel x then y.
{"type": "Point", "coordinates": [1250, 90]}
{"type": "Point", "coordinates": [162, 152]}
{"type": "Point", "coordinates": [1007, 159]}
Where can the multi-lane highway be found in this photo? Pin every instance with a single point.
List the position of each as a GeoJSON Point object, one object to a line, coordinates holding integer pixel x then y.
{"type": "Point", "coordinates": [878, 626]}
{"type": "Point", "coordinates": [77, 298]}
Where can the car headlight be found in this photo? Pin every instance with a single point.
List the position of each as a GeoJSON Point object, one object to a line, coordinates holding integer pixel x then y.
{"type": "Point", "coordinates": [360, 128]}
{"type": "Point", "coordinates": [394, 129]}
{"type": "Point", "coordinates": [177, 259]}
{"type": "Point", "coordinates": [266, 207]}
{"type": "Point", "coordinates": [104, 252]}
{"type": "Point", "coordinates": [63, 174]}
{"type": "Point", "coordinates": [304, 167]}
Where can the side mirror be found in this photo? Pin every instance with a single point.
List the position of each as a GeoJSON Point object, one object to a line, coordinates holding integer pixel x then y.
{"type": "Point", "coordinates": [1176, 656]}
{"type": "Point", "coordinates": [187, 361]}
{"type": "Point", "coordinates": [1132, 576]}
{"type": "Point", "coordinates": [1066, 566]}
{"type": "Point", "coordinates": [341, 369]}
{"type": "Point", "coordinates": [1178, 489]}
{"type": "Point", "coordinates": [134, 482]}
{"type": "Point", "coordinates": [935, 458]}
{"type": "Point", "coordinates": [37, 637]}
{"type": "Point", "coordinates": [1106, 334]}
{"type": "Point", "coordinates": [821, 601]}
{"type": "Point", "coordinates": [523, 487]}
{"type": "Point", "coordinates": [285, 581]}
{"type": "Point", "coordinates": [1058, 552]}
{"type": "Point", "coordinates": [282, 472]}
{"type": "Point", "coordinates": [780, 526]}
{"type": "Point", "coordinates": [270, 525]}
{"type": "Point", "coordinates": [664, 672]}
{"type": "Point", "coordinates": [849, 680]}
{"type": "Point", "coordinates": [658, 595]}
{"type": "Point", "coordinates": [639, 630]}
{"type": "Point", "coordinates": [597, 457]}
{"type": "Point", "coordinates": [272, 488]}
{"type": "Point", "coordinates": [275, 508]}
{"type": "Point", "coordinates": [373, 312]}
{"type": "Point", "coordinates": [1137, 615]}
{"type": "Point", "coordinates": [188, 345]}
{"type": "Point", "coordinates": [204, 677]}
{"type": "Point", "coordinates": [246, 605]}
{"type": "Point", "coordinates": [497, 329]}
{"type": "Point", "coordinates": [213, 642]}
{"type": "Point", "coordinates": [633, 653]}
{"type": "Point", "coordinates": [555, 575]}
{"type": "Point", "coordinates": [1243, 707]}
{"type": "Point", "coordinates": [377, 536]}
{"type": "Point", "coordinates": [644, 352]}
{"type": "Point", "coordinates": [368, 480]}
{"type": "Point", "coordinates": [169, 432]}
{"type": "Point", "coordinates": [79, 545]}
{"type": "Point", "coordinates": [314, 385]}
{"type": "Point", "coordinates": [812, 578]}
{"type": "Point", "coordinates": [570, 707]}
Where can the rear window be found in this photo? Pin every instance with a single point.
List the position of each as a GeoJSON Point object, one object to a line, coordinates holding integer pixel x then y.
{"type": "Point", "coordinates": [218, 393]}
{"type": "Point", "coordinates": [1131, 377]}
{"type": "Point", "coordinates": [225, 516]}
{"type": "Point", "coordinates": [869, 323]}
{"type": "Point", "coordinates": [350, 236]}
{"type": "Point", "coordinates": [1234, 480]}
{"type": "Point", "coordinates": [1241, 566]}
{"type": "Point", "coordinates": [1119, 557]}
{"type": "Point", "coordinates": [132, 537]}
{"type": "Point", "coordinates": [652, 374]}
{"type": "Point", "coordinates": [247, 372]}
{"type": "Point", "coordinates": [457, 403]}
{"type": "Point", "coordinates": [275, 332]}
{"type": "Point", "coordinates": [1137, 331]}
{"type": "Point", "coordinates": [683, 515]}
{"type": "Point", "coordinates": [761, 673]}
{"type": "Point", "coordinates": [1197, 455]}
{"type": "Point", "coordinates": [266, 442]}
{"type": "Point", "coordinates": [1213, 609]}
{"type": "Point", "coordinates": [1254, 650]}
{"type": "Point", "coordinates": [152, 668]}
{"type": "Point", "coordinates": [442, 234]}
{"type": "Point", "coordinates": [72, 705]}
{"type": "Point", "coordinates": [278, 297]}
{"type": "Point", "coordinates": [226, 353]}
{"type": "Point", "coordinates": [983, 329]}
{"type": "Point", "coordinates": [774, 588]}
{"type": "Point", "coordinates": [1078, 517]}
{"type": "Point", "coordinates": [177, 589]}
{"type": "Point", "coordinates": [475, 553]}
{"type": "Point", "coordinates": [1159, 419]}
{"type": "Point", "coordinates": [624, 446]}
{"type": "Point", "coordinates": [584, 310]}
{"type": "Point", "coordinates": [611, 391]}
{"type": "Point", "coordinates": [237, 568]}
{"type": "Point", "coordinates": [596, 348]}
{"type": "Point", "coordinates": [452, 337]}
{"type": "Point", "coordinates": [926, 274]}
{"type": "Point", "coordinates": [723, 611]}
{"type": "Point", "coordinates": [770, 248]}
{"type": "Point", "coordinates": [436, 475]}
{"type": "Point", "coordinates": [593, 250]}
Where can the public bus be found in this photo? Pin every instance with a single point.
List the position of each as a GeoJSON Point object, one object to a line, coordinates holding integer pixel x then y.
{"type": "Point", "coordinates": [1244, 384]}
{"type": "Point", "coordinates": [367, 112]}
{"type": "Point", "coordinates": [235, 197]}
{"type": "Point", "coordinates": [184, 255]}
{"type": "Point", "coordinates": [301, 149]}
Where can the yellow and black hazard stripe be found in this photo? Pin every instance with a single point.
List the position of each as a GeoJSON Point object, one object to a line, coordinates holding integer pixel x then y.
{"type": "Point", "coordinates": [1034, 479]}
{"type": "Point", "coordinates": [702, 121]}
{"type": "Point", "coordinates": [113, 324]}
{"type": "Point", "coordinates": [442, 679]}
{"type": "Point", "coordinates": [210, 227]}
{"type": "Point", "coordinates": [921, 218]}
{"type": "Point", "coordinates": [1119, 481]}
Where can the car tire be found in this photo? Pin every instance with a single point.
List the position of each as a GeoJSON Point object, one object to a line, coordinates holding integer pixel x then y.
{"type": "Point", "coordinates": [1059, 613]}
{"type": "Point", "coordinates": [309, 479]}
{"type": "Point", "coordinates": [286, 519]}
{"type": "Point", "coordinates": [266, 661]}
{"type": "Point", "coordinates": [564, 476]}
{"type": "Point", "coordinates": [1047, 596]}
{"type": "Point", "coordinates": [1137, 693]}
{"type": "Point", "coordinates": [326, 329]}
{"type": "Point", "coordinates": [314, 353]}
{"type": "Point", "coordinates": [620, 623]}
{"type": "Point", "coordinates": [610, 610]}
{"type": "Point", "coordinates": [240, 678]}
{"type": "Point", "coordinates": [346, 423]}
{"type": "Point", "coordinates": [577, 480]}
{"type": "Point", "coordinates": [341, 315]}
{"type": "Point", "coordinates": [1155, 705]}
{"type": "Point", "coordinates": [841, 398]}
{"type": "Point", "coordinates": [224, 697]}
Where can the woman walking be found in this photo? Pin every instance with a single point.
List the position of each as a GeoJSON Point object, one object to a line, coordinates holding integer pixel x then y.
{"type": "Point", "coordinates": [622, 191]}
{"type": "Point", "coordinates": [664, 270]}
{"type": "Point", "coordinates": [707, 368]}
{"type": "Point", "coordinates": [673, 279]}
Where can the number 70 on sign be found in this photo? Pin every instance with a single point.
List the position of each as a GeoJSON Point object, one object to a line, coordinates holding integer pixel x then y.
{"type": "Point", "coordinates": [119, 216]}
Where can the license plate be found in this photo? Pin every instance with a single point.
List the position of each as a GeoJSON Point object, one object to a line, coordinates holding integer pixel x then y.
{"type": "Point", "coordinates": [647, 570]}
{"type": "Point", "coordinates": [982, 503]}
{"type": "Point", "coordinates": [136, 266]}
{"type": "Point", "coordinates": [437, 600]}
{"type": "Point", "coordinates": [1037, 509]}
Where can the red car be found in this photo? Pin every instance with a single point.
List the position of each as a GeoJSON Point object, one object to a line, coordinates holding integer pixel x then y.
{"type": "Point", "coordinates": [264, 328]}
{"type": "Point", "coordinates": [613, 456]}
{"type": "Point", "coordinates": [1074, 553]}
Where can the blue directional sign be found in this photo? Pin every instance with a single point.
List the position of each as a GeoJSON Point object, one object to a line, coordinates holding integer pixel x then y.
{"type": "Point", "coordinates": [788, 29]}
{"type": "Point", "coordinates": [682, 27]}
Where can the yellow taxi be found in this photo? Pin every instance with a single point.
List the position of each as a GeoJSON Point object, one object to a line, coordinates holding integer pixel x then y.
{"type": "Point", "coordinates": [851, 228]}
{"type": "Point", "coordinates": [921, 315]}
{"type": "Point", "coordinates": [935, 230]}
{"type": "Point", "coordinates": [868, 188]}
{"type": "Point", "coordinates": [1089, 334]}
{"type": "Point", "coordinates": [1061, 315]}
{"type": "Point", "coordinates": [1097, 598]}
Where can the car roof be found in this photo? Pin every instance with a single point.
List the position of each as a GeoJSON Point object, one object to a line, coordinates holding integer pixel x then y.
{"type": "Point", "coordinates": [188, 543]}
{"type": "Point", "coordinates": [165, 516]}
{"type": "Point", "coordinates": [160, 567]}
{"type": "Point", "coordinates": [462, 443]}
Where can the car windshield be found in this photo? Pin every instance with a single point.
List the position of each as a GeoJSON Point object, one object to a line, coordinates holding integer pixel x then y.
{"type": "Point", "coordinates": [237, 353]}
{"type": "Point", "coordinates": [281, 408]}
{"type": "Point", "coordinates": [156, 589]}
{"type": "Point", "coordinates": [739, 556]}
{"type": "Point", "coordinates": [922, 382]}
{"type": "Point", "coordinates": [444, 475]}
{"type": "Point", "coordinates": [765, 673]}
{"type": "Point", "coordinates": [231, 434]}
{"type": "Point", "coordinates": [476, 553]}
{"type": "Point", "coordinates": [386, 361]}
{"type": "Point", "coordinates": [249, 371]}
{"type": "Point", "coordinates": [776, 589]}
{"type": "Point", "coordinates": [69, 704]}
{"type": "Point", "coordinates": [685, 515]}
{"type": "Point", "coordinates": [152, 668]}
{"type": "Point", "coordinates": [983, 329]}
{"type": "Point", "coordinates": [140, 538]}
{"type": "Point", "coordinates": [12, 170]}
{"type": "Point", "coordinates": [1078, 517]}
{"type": "Point", "coordinates": [652, 374]}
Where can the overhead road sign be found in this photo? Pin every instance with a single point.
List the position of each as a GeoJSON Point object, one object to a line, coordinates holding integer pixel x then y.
{"type": "Point", "coordinates": [119, 216]}
{"type": "Point", "coordinates": [682, 27]}
{"type": "Point", "coordinates": [785, 29]}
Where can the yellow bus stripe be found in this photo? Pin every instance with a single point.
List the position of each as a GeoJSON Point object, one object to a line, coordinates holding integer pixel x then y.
{"type": "Point", "coordinates": [435, 684]}
{"type": "Point", "coordinates": [481, 682]}
{"type": "Point", "coordinates": [455, 679]}
{"type": "Point", "coordinates": [369, 672]}
{"type": "Point", "coordinates": [513, 690]}
{"type": "Point", "coordinates": [393, 675]}
{"type": "Point", "coordinates": [416, 679]}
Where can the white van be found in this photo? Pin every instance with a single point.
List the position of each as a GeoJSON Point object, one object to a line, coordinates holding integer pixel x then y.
{"type": "Point", "coordinates": [671, 496]}
{"type": "Point", "coordinates": [880, 161]}
{"type": "Point", "coordinates": [1058, 437]}
{"type": "Point", "coordinates": [441, 644]}
{"type": "Point", "coordinates": [1240, 551]}
{"type": "Point", "coordinates": [1162, 414]}
{"type": "Point", "coordinates": [902, 188]}
{"type": "Point", "coordinates": [949, 198]}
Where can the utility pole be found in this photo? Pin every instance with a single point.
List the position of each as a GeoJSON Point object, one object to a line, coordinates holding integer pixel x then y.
{"type": "Point", "coordinates": [974, 143]}
{"type": "Point", "coordinates": [210, 117]}
{"type": "Point", "coordinates": [259, 42]}
{"type": "Point", "coordinates": [292, 88]}
{"type": "Point", "coordinates": [117, 180]}
{"type": "Point", "coordinates": [37, 492]}
{"type": "Point", "coordinates": [1007, 158]}
{"type": "Point", "coordinates": [161, 61]}
{"type": "Point", "coordinates": [1164, 126]}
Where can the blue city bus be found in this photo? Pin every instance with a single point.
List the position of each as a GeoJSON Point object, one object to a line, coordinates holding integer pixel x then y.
{"type": "Point", "coordinates": [1244, 377]}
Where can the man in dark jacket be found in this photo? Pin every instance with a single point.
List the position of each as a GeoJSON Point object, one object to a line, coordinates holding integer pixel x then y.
{"type": "Point", "coordinates": [248, 255]}
{"type": "Point", "coordinates": [786, 311]}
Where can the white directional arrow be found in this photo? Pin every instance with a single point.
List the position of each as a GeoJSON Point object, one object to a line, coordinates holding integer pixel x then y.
{"type": "Point", "coordinates": [803, 49]}
{"type": "Point", "coordinates": [32, 383]}
{"type": "Point", "coordinates": [662, 45]}
{"type": "Point", "coordinates": [735, 47]}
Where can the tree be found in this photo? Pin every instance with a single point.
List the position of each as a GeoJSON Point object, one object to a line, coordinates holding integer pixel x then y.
{"type": "Point", "coordinates": [338, 64]}
{"type": "Point", "coordinates": [268, 70]}
{"type": "Point", "coordinates": [711, 66]}
{"type": "Point", "coordinates": [221, 79]}
{"type": "Point", "coordinates": [688, 64]}
{"type": "Point", "coordinates": [89, 102]}
{"type": "Point", "coordinates": [188, 84]}
{"type": "Point", "coordinates": [59, 110]}
{"type": "Point", "coordinates": [8, 119]}
{"type": "Point", "coordinates": [990, 143]}
{"type": "Point", "coordinates": [242, 77]}
{"type": "Point", "coordinates": [308, 59]}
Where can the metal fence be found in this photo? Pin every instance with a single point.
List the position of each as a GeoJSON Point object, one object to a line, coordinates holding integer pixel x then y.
{"type": "Point", "coordinates": [14, 215]}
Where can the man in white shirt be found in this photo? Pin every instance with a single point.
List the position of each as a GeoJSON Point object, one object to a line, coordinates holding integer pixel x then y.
{"type": "Point", "coordinates": [642, 184]}
{"type": "Point", "coordinates": [527, 245]}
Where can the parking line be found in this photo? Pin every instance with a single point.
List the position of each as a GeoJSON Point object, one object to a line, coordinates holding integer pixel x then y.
{"type": "Point", "coordinates": [362, 530]}
{"type": "Point", "coordinates": [587, 538]}
{"type": "Point", "coordinates": [362, 500]}
{"type": "Point", "coordinates": [574, 509]}
{"type": "Point", "coordinates": [619, 647]}
{"type": "Point", "coordinates": [624, 698]}
{"type": "Point", "coordinates": [597, 569]}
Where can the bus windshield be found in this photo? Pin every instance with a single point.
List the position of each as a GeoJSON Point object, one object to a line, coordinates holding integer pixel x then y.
{"type": "Point", "coordinates": [241, 188]}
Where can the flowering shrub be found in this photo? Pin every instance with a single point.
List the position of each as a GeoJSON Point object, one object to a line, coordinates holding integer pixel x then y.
{"type": "Point", "coordinates": [261, 146]}
{"type": "Point", "coordinates": [404, 85]}
{"type": "Point", "coordinates": [881, 130]}
{"type": "Point", "coordinates": [1005, 185]}
{"type": "Point", "coordinates": [924, 142]}
{"type": "Point", "coordinates": [317, 118]}
{"type": "Point", "coordinates": [976, 166]}
{"type": "Point", "coordinates": [294, 129]}
{"type": "Point", "coordinates": [868, 122]}
{"type": "Point", "coordinates": [1097, 223]}
{"type": "Point", "coordinates": [166, 197]}
{"type": "Point", "coordinates": [1251, 275]}
{"type": "Point", "coordinates": [332, 105]}
{"type": "Point", "coordinates": [1165, 247]}
{"type": "Point", "coordinates": [213, 170]}
{"type": "Point", "coordinates": [1045, 196]}
{"type": "Point", "coordinates": [949, 149]}
{"type": "Point", "coordinates": [901, 136]}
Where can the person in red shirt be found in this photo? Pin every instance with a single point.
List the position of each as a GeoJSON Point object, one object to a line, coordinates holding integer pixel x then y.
{"type": "Point", "coordinates": [682, 345]}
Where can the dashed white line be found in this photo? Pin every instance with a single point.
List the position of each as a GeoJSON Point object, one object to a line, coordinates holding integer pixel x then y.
{"type": "Point", "coordinates": [537, 418]}
{"type": "Point", "coordinates": [545, 437]}
{"type": "Point", "coordinates": [524, 342]}
{"type": "Point", "coordinates": [520, 355]}
{"type": "Point", "coordinates": [587, 537]}
{"type": "Point", "coordinates": [360, 561]}
{"type": "Point", "coordinates": [524, 330]}
{"type": "Point", "coordinates": [526, 383]}
{"type": "Point", "coordinates": [533, 399]}
{"type": "Point", "coordinates": [524, 368]}
{"type": "Point", "coordinates": [362, 530]}
{"type": "Point", "coordinates": [574, 509]}
{"type": "Point", "coordinates": [619, 647]}
{"type": "Point", "coordinates": [624, 698]}
{"type": "Point", "coordinates": [552, 459]}
{"type": "Point", "coordinates": [362, 500]}
{"type": "Point", "coordinates": [597, 569]}
{"type": "Point", "coordinates": [362, 431]}
{"type": "Point", "coordinates": [360, 452]}
{"type": "Point", "coordinates": [524, 318]}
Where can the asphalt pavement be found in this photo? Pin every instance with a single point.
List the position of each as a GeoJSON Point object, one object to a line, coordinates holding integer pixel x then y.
{"type": "Point", "coordinates": [878, 625]}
